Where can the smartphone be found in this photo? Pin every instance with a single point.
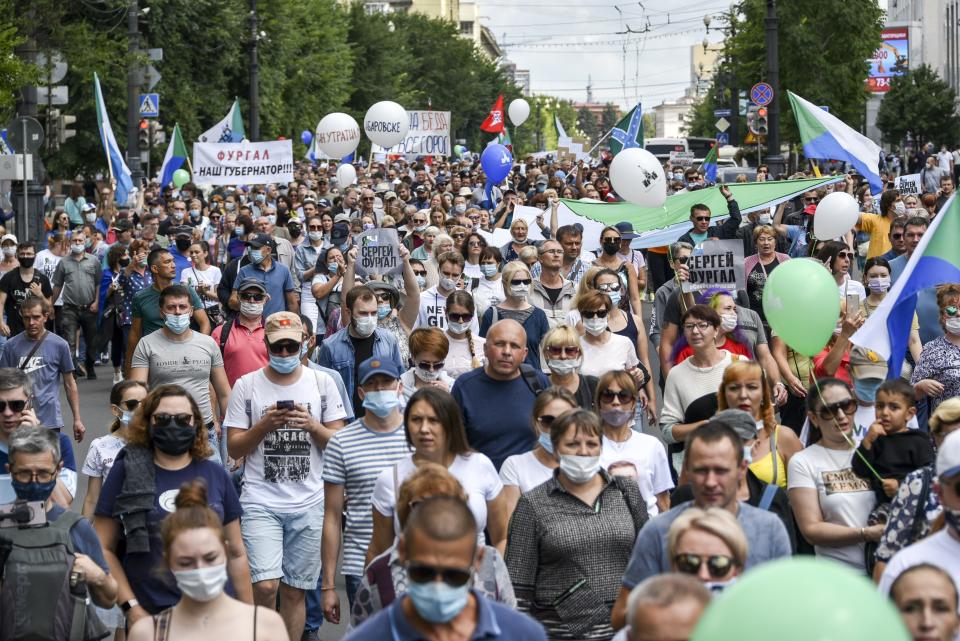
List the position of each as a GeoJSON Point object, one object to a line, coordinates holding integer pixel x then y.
{"type": "Point", "coordinates": [285, 405]}
{"type": "Point", "coordinates": [853, 305]}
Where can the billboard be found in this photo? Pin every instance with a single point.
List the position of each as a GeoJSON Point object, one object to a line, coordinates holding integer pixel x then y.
{"type": "Point", "coordinates": [892, 58]}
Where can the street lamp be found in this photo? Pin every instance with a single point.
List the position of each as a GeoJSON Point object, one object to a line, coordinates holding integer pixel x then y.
{"type": "Point", "coordinates": [706, 21]}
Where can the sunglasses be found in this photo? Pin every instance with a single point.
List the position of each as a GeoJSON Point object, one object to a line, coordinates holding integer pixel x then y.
{"type": "Point", "coordinates": [700, 219]}
{"type": "Point", "coordinates": [608, 396]}
{"type": "Point", "coordinates": [847, 255]}
{"type": "Point", "coordinates": [160, 420]}
{"type": "Point", "coordinates": [848, 406]}
{"type": "Point", "coordinates": [811, 200]}
{"type": "Point", "coordinates": [453, 577]}
{"type": "Point", "coordinates": [416, 273]}
{"type": "Point", "coordinates": [460, 318]}
{"type": "Point", "coordinates": [718, 565]}
{"type": "Point", "coordinates": [546, 420]}
{"type": "Point", "coordinates": [520, 281]}
{"type": "Point", "coordinates": [284, 347]}
{"type": "Point", "coordinates": [430, 367]}
{"type": "Point", "coordinates": [555, 350]}
{"type": "Point", "coordinates": [15, 406]}
{"type": "Point", "coordinates": [130, 404]}
{"type": "Point", "coordinates": [597, 313]}
{"type": "Point", "coordinates": [256, 298]}
{"type": "Point", "coordinates": [474, 244]}
{"type": "Point", "coordinates": [682, 260]}
{"type": "Point", "coordinates": [609, 287]}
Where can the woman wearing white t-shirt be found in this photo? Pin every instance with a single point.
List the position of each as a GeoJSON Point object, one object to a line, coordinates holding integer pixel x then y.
{"type": "Point", "coordinates": [202, 276]}
{"type": "Point", "coordinates": [435, 430]}
{"type": "Point", "coordinates": [604, 351]}
{"type": "Point", "coordinates": [521, 473]}
{"type": "Point", "coordinates": [489, 289]}
{"type": "Point", "coordinates": [428, 351]}
{"type": "Point", "coordinates": [466, 348]}
{"type": "Point", "coordinates": [831, 504]}
{"type": "Point", "coordinates": [627, 452]}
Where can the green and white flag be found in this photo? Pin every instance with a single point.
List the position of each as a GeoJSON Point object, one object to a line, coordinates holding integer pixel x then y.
{"type": "Point", "coordinates": [230, 129]}
{"type": "Point", "coordinates": [628, 132]}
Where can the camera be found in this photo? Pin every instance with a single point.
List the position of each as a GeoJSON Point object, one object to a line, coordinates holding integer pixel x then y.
{"type": "Point", "coordinates": [23, 514]}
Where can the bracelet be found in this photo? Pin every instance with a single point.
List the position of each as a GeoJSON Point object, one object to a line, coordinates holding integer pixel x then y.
{"type": "Point", "coordinates": [332, 587]}
{"type": "Point", "coordinates": [862, 536]}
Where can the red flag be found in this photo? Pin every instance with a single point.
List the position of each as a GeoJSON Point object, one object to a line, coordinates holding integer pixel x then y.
{"type": "Point", "coordinates": [494, 122]}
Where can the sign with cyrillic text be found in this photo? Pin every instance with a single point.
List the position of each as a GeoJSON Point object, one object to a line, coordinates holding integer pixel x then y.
{"type": "Point", "coordinates": [429, 135]}
{"type": "Point", "coordinates": [379, 253]}
{"type": "Point", "coordinates": [241, 163]}
{"type": "Point", "coordinates": [716, 263]}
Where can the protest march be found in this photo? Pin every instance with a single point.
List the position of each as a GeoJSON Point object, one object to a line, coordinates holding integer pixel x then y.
{"type": "Point", "coordinates": [410, 373]}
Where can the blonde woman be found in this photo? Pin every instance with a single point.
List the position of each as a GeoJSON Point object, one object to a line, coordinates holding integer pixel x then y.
{"type": "Point", "coordinates": [709, 544]}
{"type": "Point", "coordinates": [517, 282]}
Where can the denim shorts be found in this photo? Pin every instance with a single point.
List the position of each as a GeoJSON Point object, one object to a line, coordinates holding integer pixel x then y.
{"type": "Point", "coordinates": [296, 560]}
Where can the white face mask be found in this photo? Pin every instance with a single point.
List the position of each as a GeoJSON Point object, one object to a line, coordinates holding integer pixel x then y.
{"type": "Point", "coordinates": [427, 376]}
{"type": "Point", "coordinates": [595, 326]}
{"type": "Point", "coordinates": [579, 469]}
{"type": "Point", "coordinates": [315, 235]}
{"type": "Point", "coordinates": [365, 325]}
{"type": "Point", "coordinates": [520, 291]}
{"type": "Point", "coordinates": [564, 367]}
{"type": "Point", "coordinates": [457, 328]}
{"type": "Point", "coordinates": [952, 326]}
{"type": "Point", "coordinates": [728, 322]}
{"type": "Point", "coordinates": [448, 284]}
{"type": "Point", "coordinates": [879, 285]}
{"type": "Point", "coordinates": [765, 219]}
{"type": "Point", "coordinates": [251, 309]}
{"type": "Point", "coordinates": [900, 208]}
{"type": "Point", "coordinates": [202, 584]}
{"type": "Point", "coordinates": [9, 251]}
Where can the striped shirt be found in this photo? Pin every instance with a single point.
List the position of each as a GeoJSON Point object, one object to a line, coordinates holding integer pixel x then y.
{"type": "Point", "coordinates": [354, 458]}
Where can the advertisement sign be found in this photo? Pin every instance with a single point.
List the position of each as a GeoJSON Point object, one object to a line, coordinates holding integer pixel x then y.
{"type": "Point", "coordinates": [892, 58]}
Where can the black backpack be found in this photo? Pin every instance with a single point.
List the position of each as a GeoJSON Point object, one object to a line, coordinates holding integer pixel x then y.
{"type": "Point", "coordinates": [37, 600]}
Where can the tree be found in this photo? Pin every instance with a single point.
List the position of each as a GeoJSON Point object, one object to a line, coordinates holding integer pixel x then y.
{"type": "Point", "coordinates": [609, 117]}
{"type": "Point", "coordinates": [588, 124]}
{"type": "Point", "coordinates": [919, 106]}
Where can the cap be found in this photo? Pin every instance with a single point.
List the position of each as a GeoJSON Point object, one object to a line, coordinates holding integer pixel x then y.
{"type": "Point", "coordinates": [465, 191]}
{"type": "Point", "coordinates": [542, 179]}
{"type": "Point", "coordinates": [180, 230]}
{"type": "Point", "coordinates": [373, 366]}
{"type": "Point", "coordinates": [123, 225]}
{"type": "Point", "coordinates": [865, 363]}
{"type": "Point", "coordinates": [739, 421]}
{"type": "Point", "coordinates": [309, 199]}
{"type": "Point", "coordinates": [948, 456]}
{"type": "Point", "coordinates": [323, 203]}
{"type": "Point", "coordinates": [420, 188]}
{"type": "Point", "coordinates": [283, 325]}
{"type": "Point", "coordinates": [251, 283]}
{"type": "Point", "coordinates": [260, 240]}
{"type": "Point", "coordinates": [7, 237]}
{"type": "Point", "coordinates": [561, 174]}
{"type": "Point", "coordinates": [390, 195]}
{"type": "Point", "coordinates": [89, 207]}
{"type": "Point", "coordinates": [626, 230]}
{"type": "Point", "coordinates": [382, 187]}
{"type": "Point", "coordinates": [342, 218]}
{"type": "Point", "coordinates": [340, 232]}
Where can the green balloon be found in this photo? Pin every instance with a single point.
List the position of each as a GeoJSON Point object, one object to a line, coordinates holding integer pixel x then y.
{"type": "Point", "coordinates": [802, 304]}
{"type": "Point", "coordinates": [180, 178]}
{"type": "Point", "coordinates": [801, 599]}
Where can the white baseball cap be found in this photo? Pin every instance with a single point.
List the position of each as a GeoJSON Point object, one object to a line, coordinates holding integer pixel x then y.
{"type": "Point", "coordinates": [948, 456]}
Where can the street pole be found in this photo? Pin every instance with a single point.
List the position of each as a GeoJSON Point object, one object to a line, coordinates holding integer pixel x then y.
{"type": "Point", "coordinates": [774, 156]}
{"type": "Point", "coordinates": [254, 75]}
{"type": "Point", "coordinates": [27, 106]}
{"type": "Point", "coordinates": [133, 92]}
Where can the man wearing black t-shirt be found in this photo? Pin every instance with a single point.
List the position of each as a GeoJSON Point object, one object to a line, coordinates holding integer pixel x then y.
{"type": "Point", "coordinates": [18, 284]}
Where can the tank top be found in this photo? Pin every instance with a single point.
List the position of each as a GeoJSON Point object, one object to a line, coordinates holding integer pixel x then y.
{"type": "Point", "coordinates": [764, 467]}
{"type": "Point", "coordinates": [161, 624]}
{"type": "Point", "coordinates": [630, 331]}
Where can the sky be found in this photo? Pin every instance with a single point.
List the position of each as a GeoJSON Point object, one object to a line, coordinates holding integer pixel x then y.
{"type": "Point", "coordinates": [563, 42]}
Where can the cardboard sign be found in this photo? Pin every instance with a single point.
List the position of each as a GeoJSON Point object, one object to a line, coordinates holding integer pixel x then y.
{"type": "Point", "coordinates": [243, 163]}
{"type": "Point", "coordinates": [909, 185]}
{"type": "Point", "coordinates": [682, 158]}
{"type": "Point", "coordinates": [716, 263]}
{"type": "Point", "coordinates": [379, 253]}
{"type": "Point", "coordinates": [429, 135]}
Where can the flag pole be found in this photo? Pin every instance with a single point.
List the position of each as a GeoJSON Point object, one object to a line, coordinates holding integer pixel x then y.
{"type": "Point", "coordinates": [605, 136]}
{"type": "Point", "coordinates": [176, 128]}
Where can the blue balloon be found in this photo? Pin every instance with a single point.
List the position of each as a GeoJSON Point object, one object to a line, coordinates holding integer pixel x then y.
{"type": "Point", "coordinates": [496, 161]}
{"type": "Point", "coordinates": [306, 136]}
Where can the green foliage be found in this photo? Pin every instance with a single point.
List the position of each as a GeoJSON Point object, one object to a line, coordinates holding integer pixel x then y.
{"type": "Point", "coordinates": [921, 106]}
{"type": "Point", "coordinates": [609, 117]}
{"type": "Point", "coordinates": [588, 125]}
{"type": "Point", "coordinates": [649, 126]}
{"type": "Point", "coordinates": [700, 121]}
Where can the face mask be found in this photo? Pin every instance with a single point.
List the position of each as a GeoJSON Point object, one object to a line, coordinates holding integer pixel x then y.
{"type": "Point", "coordinates": [202, 584]}
{"type": "Point", "coordinates": [141, 262]}
{"type": "Point", "coordinates": [183, 244]}
{"type": "Point", "coordinates": [238, 230]}
{"type": "Point", "coordinates": [426, 375]}
{"type": "Point", "coordinates": [866, 388]}
{"type": "Point", "coordinates": [284, 364]}
{"type": "Point", "coordinates": [177, 215]}
{"type": "Point", "coordinates": [9, 251]}
{"type": "Point", "coordinates": [88, 243]}
{"type": "Point", "coordinates": [177, 323]}
{"type": "Point", "coordinates": [230, 206]}
{"type": "Point", "coordinates": [457, 328]}
{"type": "Point", "coordinates": [716, 587]}
{"type": "Point", "coordinates": [315, 236]}
{"type": "Point", "coordinates": [125, 416]}
{"type": "Point", "coordinates": [27, 263]}
{"type": "Point", "coordinates": [194, 213]}
{"type": "Point", "coordinates": [611, 248]}
{"type": "Point", "coordinates": [460, 209]}
{"type": "Point", "coordinates": [90, 218]}
{"type": "Point", "coordinates": [364, 326]}
{"type": "Point", "coordinates": [952, 325]}
{"type": "Point", "coordinates": [764, 219]}
{"type": "Point", "coordinates": [251, 309]}
{"type": "Point", "coordinates": [489, 271]}
{"type": "Point", "coordinates": [520, 291]}
{"type": "Point", "coordinates": [900, 208]}
{"type": "Point", "coordinates": [595, 326]}
{"type": "Point", "coordinates": [123, 262]}
{"type": "Point", "coordinates": [381, 403]}
{"type": "Point", "coordinates": [304, 350]}
{"type": "Point", "coordinates": [421, 228]}
{"type": "Point", "coordinates": [295, 231]}
{"type": "Point", "coordinates": [174, 438]}
{"type": "Point", "coordinates": [616, 418]}
{"type": "Point", "coordinates": [272, 219]}
{"type": "Point", "coordinates": [344, 247]}
{"type": "Point", "coordinates": [155, 211]}
{"type": "Point", "coordinates": [383, 311]}
{"type": "Point", "coordinates": [421, 282]}
{"type": "Point", "coordinates": [579, 469]}
{"type": "Point", "coordinates": [879, 285]}
{"type": "Point", "coordinates": [545, 442]}
{"type": "Point", "coordinates": [33, 491]}
{"type": "Point", "coordinates": [333, 268]}
{"type": "Point", "coordinates": [728, 322]}
{"type": "Point", "coordinates": [563, 367]}
{"type": "Point", "coordinates": [615, 297]}
{"type": "Point", "coordinates": [748, 454]}
{"type": "Point", "coordinates": [368, 226]}
{"type": "Point", "coordinates": [448, 284]}
{"type": "Point", "coordinates": [436, 601]}
{"type": "Point", "coordinates": [77, 249]}
{"type": "Point", "coordinates": [261, 198]}
{"type": "Point", "coordinates": [255, 255]}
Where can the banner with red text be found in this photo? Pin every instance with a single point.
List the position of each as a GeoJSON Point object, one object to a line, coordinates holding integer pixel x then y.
{"type": "Point", "coordinates": [242, 163]}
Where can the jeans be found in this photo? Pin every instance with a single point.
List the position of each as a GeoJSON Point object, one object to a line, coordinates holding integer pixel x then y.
{"type": "Point", "coordinates": [315, 604]}
{"type": "Point", "coordinates": [75, 316]}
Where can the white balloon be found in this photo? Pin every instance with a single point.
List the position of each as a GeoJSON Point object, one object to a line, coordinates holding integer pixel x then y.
{"type": "Point", "coordinates": [338, 135]}
{"type": "Point", "coordinates": [637, 177]}
{"type": "Point", "coordinates": [836, 214]}
{"type": "Point", "coordinates": [346, 175]}
{"type": "Point", "coordinates": [519, 111]}
{"type": "Point", "coordinates": [386, 123]}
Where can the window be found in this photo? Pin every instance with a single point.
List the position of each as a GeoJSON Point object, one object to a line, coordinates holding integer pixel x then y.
{"type": "Point", "coordinates": [466, 27]}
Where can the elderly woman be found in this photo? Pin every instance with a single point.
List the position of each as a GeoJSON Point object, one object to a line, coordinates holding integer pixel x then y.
{"type": "Point", "coordinates": [936, 375]}
{"type": "Point", "coordinates": [831, 504]}
{"type": "Point", "coordinates": [758, 266]}
{"type": "Point", "coordinates": [709, 544]}
{"type": "Point", "coordinates": [441, 246]}
{"type": "Point", "coordinates": [424, 251]}
{"type": "Point", "coordinates": [428, 353]}
{"type": "Point", "coordinates": [926, 597]}
{"type": "Point", "coordinates": [571, 538]}
{"type": "Point", "coordinates": [519, 240]}
{"type": "Point", "coordinates": [386, 576]}
{"type": "Point", "coordinates": [563, 352]}
{"type": "Point", "coordinates": [516, 286]}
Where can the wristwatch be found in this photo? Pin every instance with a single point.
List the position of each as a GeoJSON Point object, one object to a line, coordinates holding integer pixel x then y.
{"type": "Point", "coordinates": [126, 606]}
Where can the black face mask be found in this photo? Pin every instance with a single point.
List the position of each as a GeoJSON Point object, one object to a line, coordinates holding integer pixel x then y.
{"type": "Point", "coordinates": [183, 244]}
{"type": "Point", "coordinates": [611, 248]}
{"type": "Point", "coordinates": [295, 231]}
{"type": "Point", "coordinates": [173, 438]}
{"type": "Point", "coordinates": [124, 262]}
{"type": "Point", "coordinates": [27, 262]}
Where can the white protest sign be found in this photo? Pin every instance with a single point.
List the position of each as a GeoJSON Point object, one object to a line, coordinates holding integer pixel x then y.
{"type": "Point", "coordinates": [239, 163]}
{"type": "Point", "coordinates": [682, 158]}
{"type": "Point", "coordinates": [529, 216]}
{"type": "Point", "coordinates": [909, 185]}
{"type": "Point", "coordinates": [497, 238]}
{"type": "Point", "coordinates": [378, 253]}
{"type": "Point", "coordinates": [428, 135]}
{"type": "Point", "coordinates": [716, 263]}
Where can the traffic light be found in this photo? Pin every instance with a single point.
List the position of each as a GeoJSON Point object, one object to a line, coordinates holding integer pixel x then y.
{"type": "Point", "coordinates": [63, 131]}
{"type": "Point", "coordinates": [53, 132]}
{"type": "Point", "coordinates": [143, 137]}
{"type": "Point", "coordinates": [157, 135]}
{"type": "Point", "coordinates": [762, 126]}
{"type": "Point", "coordinates": [752, 119]}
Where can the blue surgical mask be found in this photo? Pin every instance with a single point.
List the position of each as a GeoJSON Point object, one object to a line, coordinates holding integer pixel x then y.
{"type": "Point", "coordinates": [272, 218]}
{"type": "Point", "coordinates": [238, 230]}
{"type": "Point", "coordinates": [545, 442]}
{"type": "Point", "coordinates": [383, 310]}
{"type": "Point", "coordinates": [436, 601]}
{"type": "Point", "coordinates": [194, 213]}
{"type": "Point", "coordinates": [255, 255]}
{"type": "Point", "coordinates": [866, 388]}
{"type": "Point", "coordinates": [125, 417]}
{"type": "Point", "coordinates": [421, 282]}
{"type": "Point", "coordinates": [381, 402]}
{"type": "Point", "coordinates": [615, 297]}
{"type": "Point", "coordinates": [488, 270]}
{"type": "Point", "coordinates": [333, 268]}
{"type": "Point", "coordinates": [177, 323]}
{"type": "Point", "coordinates": [284, 364]}
{"type": "Point", "coordinates": [33, 491]}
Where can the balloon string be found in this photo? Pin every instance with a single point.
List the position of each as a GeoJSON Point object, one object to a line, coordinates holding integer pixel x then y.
{"type": "Point", "coordinates": [833, 417]}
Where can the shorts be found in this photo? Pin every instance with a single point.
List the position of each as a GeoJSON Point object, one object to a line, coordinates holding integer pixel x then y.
{"type": "Point", "coordinates": [297, 560]}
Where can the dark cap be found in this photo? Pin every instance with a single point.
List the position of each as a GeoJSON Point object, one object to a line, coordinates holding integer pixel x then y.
{"type": "Point", "coordinates": [340, 232]}
{"type": "Point", "coordinates": [373, 366]}
{"type": "Point", "coordinates": [180, 230]}
{"type": "Point", "coordinates": [323, 203]}
{"type": "Point", "coordinates": [626, 230]}
{"type": "Point", "coordinates": [260, 240]}
{"type": "Point", "coordinates": [251, 283]}
{"type": "Point", "coordinates": [123, 225]}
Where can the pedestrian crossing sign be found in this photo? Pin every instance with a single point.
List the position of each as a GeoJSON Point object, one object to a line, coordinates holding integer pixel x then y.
{"type": "Point", "coordinates": [149, 105]}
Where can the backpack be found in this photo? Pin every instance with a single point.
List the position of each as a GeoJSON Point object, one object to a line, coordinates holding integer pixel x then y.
{"type": "Point", "coordinates": [37, 601]}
